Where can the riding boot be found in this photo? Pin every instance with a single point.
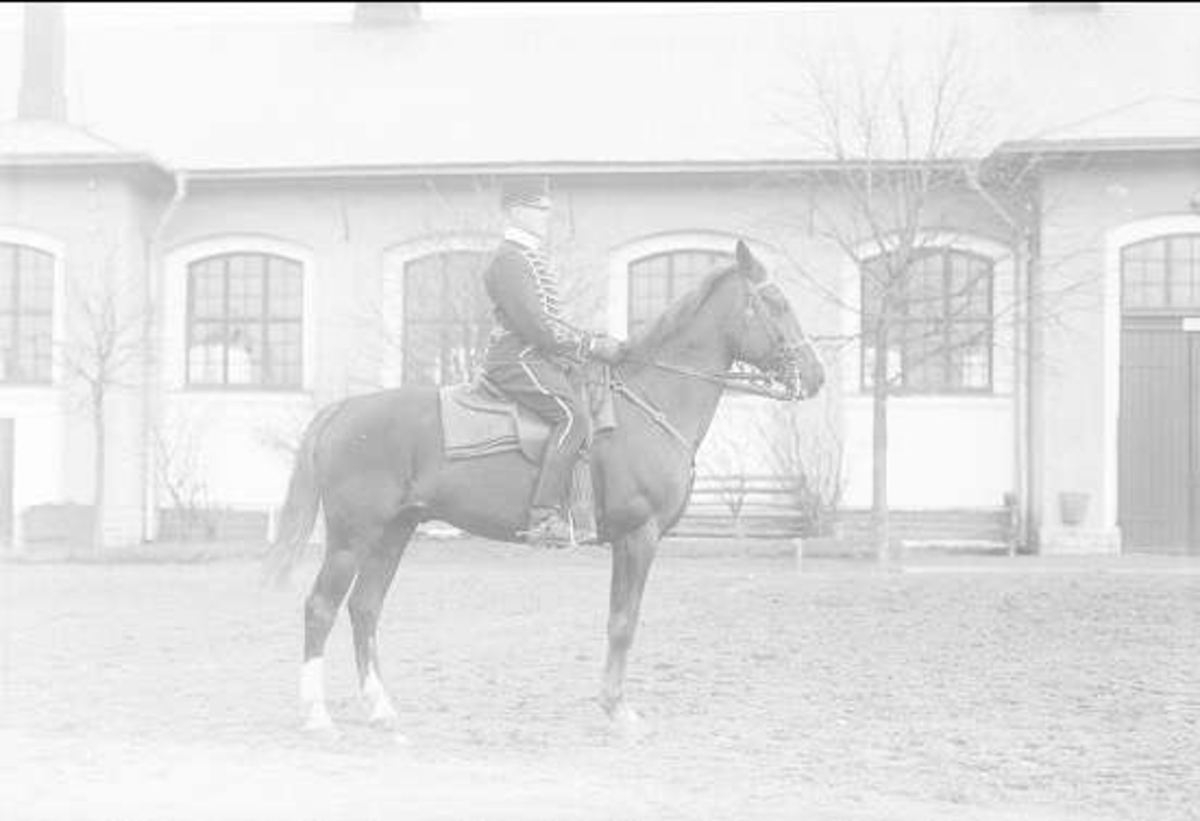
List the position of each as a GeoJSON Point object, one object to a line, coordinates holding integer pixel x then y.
{"type": "Point", "coordinates": [547, 528]}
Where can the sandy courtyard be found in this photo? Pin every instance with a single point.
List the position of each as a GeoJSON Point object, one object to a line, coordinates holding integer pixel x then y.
{"type": "Point", "coordinates": [135, 691]}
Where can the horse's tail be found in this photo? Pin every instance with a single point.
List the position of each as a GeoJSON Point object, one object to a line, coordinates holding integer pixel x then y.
{"type": "Point", "coordinates": [301, 507]}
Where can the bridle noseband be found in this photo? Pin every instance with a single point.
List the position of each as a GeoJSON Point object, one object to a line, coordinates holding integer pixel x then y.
{"type": "Point", "coordinates": [753, 383]}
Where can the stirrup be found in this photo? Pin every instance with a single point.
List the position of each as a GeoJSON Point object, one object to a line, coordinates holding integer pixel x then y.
{"type": "Point", "coordinates": [551, 532]}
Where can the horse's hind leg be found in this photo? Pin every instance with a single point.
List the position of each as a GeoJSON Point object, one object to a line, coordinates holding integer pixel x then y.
{"type": "Point", "coordinates": [375, 576]}
{"type": "Point", "coordinates": [320, 612]}
{"type": "Point", "coordinates": [631, 558]}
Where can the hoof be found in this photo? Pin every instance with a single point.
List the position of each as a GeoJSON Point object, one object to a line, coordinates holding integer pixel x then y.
{"type": "Point", "coordinates": [319, 724]}
{"type": "Point", "coordinates": [386, 722]}
{"type": "Point", "coordinates": [627, 724]}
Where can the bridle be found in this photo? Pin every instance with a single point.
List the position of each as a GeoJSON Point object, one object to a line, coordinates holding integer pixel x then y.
{"type": "Point", "coordinates": [755, 383]}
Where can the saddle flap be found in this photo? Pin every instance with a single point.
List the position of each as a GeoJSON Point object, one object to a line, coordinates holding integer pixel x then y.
{"type": "Point", "coordinates": [475, 422]}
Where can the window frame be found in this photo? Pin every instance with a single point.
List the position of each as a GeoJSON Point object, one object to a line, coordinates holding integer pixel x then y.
{"type": "Point", "coordinates": [1166, 309]}
{"type": "Point", "coordinates": [673, 277]}
{"type": "Point", "coordinates": [903, 388]}
{"type": "Point", "coordinates": [175, 265]}
{"type": "Point", "coordinates": [18, 312]}
{"type": "Point", "coordinates": [442, 322]}
{"type": "Point", "coordinates": [264, 321]}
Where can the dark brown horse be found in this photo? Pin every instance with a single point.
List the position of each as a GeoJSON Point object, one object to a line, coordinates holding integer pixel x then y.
{"type": "Point", "coordinates": [375, 464]}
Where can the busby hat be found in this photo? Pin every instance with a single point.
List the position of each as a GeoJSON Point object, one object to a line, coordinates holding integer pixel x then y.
{"type": "Point", "coordinates": [531, 192]}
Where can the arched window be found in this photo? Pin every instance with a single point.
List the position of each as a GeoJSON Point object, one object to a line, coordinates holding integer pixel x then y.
{"type": "Point", "coordinates": [1161, 274]}
{"type": "Point", "coordinates": [26, 313]}
{"type": "Point", "coordinates": [447, 317]}
{"type": "Point", "coordinates": [657, 280]}
{"type": "Point", "coordinates": [939, 322]}
{"type": "Point", "coordinates": [245, 321]}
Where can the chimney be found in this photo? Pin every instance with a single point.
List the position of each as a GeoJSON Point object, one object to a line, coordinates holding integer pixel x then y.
{"type": "Point", "coordinates": [387, 14]}
{"type": "Point", "coordinates": [43, 95]}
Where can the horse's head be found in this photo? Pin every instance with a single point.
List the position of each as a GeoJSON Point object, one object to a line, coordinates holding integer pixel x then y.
{"type": "Point", "coordinates": [770, 337]}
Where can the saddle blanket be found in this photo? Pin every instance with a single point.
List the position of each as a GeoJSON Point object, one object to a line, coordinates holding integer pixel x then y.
{"type": "Point", "coordinates": [478, 421]}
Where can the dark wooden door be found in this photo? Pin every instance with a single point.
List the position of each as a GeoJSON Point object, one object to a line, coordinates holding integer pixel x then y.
{"type": "Point", "coordinates": [6, 483]}
{"type": "Point", "coordinates": [1159, 447]}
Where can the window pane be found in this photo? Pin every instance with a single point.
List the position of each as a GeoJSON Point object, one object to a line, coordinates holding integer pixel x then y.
{"type": "Point", "coordinates": [26, 306]}
{"type": "Point", "coordinates": [1145, 270]}
{"type": "Point", "coordinates": [246, 288]}
{"type": "Point", "coordinates": [284, 356]}
{"type": "Point", "coordinates": [970, 287]}
{"type": "Point", "coordinates": [33, 349]}
{"type": "Point", "coordinates": [925, 291]}
{"type": "Point", "coordinates": [924, 347]}
{"type": "Point", "coordinates": [208, 289]}
{"type": "Point", "coordinates": [895, 360]}
{"type": "Point", "coordinates": [969, 365]}
{"type": "Point", "coordinates": [655, 282]}
{"type": "Point", "coordinates": [236, 303]}
{"type": "Point", "coordinates": [8, 270]}
{"type": "Point", "coordinates": [944, 305]}
{"type": "Point", "coordinates": [447, 317]}
{"type": "Point", "coordinates": [206, 354]}
{"type": "Point", "coordinates": [1184, 267]}
{"type": "Point", "coordinates": [8, 276]}
{"type": "Point", "coordinates": [36, 273]}
{"type": "Point", "coordinates": [244, 352]}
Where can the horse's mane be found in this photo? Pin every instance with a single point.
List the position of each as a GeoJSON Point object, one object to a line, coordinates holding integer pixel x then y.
{"type": "Point", "coordinates": [652, 336]}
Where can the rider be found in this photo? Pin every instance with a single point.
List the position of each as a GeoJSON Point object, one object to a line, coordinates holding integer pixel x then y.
{"type": "Point", "coordinates": [532, 347]}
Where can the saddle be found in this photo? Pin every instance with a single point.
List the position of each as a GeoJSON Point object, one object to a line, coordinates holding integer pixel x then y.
{"type": "Point", "coordinates": [478, 420]}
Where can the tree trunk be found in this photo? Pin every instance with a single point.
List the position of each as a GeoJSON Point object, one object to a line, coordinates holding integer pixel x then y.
{"type": "Point", "coordinates": [880, 525]}
{"type": "Point", "coordinates": [98, 468]}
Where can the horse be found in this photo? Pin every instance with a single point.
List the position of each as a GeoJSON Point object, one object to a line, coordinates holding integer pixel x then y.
{"type": "Point", "coordinates": [376, 465]}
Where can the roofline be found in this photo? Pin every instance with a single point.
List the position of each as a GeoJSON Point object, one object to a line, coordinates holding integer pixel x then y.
{"type": "Point", "coordinates": [138, 167]}
{"type": "Point", "coordinates": [81, 159]}
{"type": "Point", "coordinates": [1108, 145]}
{"type": "Point", "coordinates": [563, 168]}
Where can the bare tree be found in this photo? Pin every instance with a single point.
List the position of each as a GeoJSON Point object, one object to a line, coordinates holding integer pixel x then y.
{"type": "Point", "coordinates": [900, 181]}
{"type": "Point", "coordinates": [177, 462]}
{"type": "Point", "coordinates": [107, 344]}
{"type": "Point", "coordinates": [808, 459]}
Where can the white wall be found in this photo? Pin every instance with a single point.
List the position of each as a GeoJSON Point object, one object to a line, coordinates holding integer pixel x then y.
{"type": "Point", "coordinates": [38, 420]}
{"type": "Point", "coordinates": [944, 452]}
{"type": "Point", "coordinates": [232, 447]}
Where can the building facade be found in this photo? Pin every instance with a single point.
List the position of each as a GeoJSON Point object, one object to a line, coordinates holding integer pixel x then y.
{"type": "Point", "coordinates": [307, 223]}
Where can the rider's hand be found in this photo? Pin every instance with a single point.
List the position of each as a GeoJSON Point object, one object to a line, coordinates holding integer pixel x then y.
{"type": "Point", "coordinates": [607, 350]}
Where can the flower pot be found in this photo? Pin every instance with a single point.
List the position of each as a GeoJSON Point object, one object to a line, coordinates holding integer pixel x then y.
{"type": "Point", "coordinates": [1072, 508]}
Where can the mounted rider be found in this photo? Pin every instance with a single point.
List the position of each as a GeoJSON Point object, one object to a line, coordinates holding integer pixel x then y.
{"type": "Point", "coordinates": [532, 349]}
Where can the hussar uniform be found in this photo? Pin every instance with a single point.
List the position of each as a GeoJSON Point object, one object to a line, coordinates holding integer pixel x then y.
{"type": "Point", "coordinates": [530, 351]}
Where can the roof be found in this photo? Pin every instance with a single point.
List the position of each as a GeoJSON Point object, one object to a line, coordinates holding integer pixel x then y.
{"type": "Point", "coordinates": [644, 91]}
{"type": "Point", "coordinates": [48, 142]}
{"type": "Point", "coordinates": [1161, 123]}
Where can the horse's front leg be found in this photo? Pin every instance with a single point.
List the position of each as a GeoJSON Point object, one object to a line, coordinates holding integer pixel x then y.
{"type": "Point", "coordinates": [632, 557]}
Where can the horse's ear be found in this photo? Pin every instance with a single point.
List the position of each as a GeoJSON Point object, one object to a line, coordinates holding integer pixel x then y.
{"type": "Point", "coordinates": [748, 265]}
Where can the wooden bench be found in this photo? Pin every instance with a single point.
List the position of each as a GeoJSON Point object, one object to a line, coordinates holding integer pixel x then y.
{"type": "Point", "coordinates": [754, 506]}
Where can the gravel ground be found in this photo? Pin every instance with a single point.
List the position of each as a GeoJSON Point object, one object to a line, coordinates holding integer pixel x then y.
{"type": "Point", "coordinates": [136, 691]}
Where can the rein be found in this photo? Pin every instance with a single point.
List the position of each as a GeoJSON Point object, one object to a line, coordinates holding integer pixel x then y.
{"type": "Point", "coordinates": [753, 384]}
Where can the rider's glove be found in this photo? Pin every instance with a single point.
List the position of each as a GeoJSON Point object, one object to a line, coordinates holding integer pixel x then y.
{"type": "Point", "coordinates": [606, 349]}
